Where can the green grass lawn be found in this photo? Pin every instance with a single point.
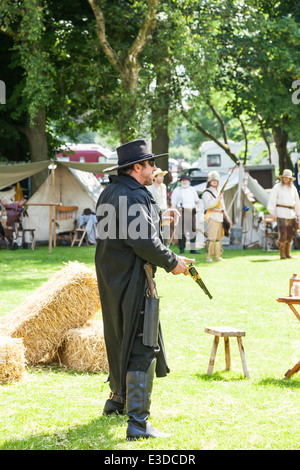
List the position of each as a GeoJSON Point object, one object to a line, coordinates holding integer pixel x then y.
{"type": "Point", "coordinates": [56, 408]}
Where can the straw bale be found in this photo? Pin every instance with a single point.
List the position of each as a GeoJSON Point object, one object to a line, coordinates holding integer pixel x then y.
{"type": "Point", "coordinates": [84, 348]}
{"type": "Point", "coordinates": [67, 300]}
{"type": "Point", "coordinates": [12, 359]}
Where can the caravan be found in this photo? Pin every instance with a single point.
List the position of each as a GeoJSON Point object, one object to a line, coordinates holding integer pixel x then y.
{"type": "Point", "coordinates": [213, 157]}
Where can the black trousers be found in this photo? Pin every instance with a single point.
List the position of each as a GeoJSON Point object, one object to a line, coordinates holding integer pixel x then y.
{"type": "Point", "coordinates": [141, 356]}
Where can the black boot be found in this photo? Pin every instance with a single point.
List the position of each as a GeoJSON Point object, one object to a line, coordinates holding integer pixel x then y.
{"type": "Point", "coordinates": [114, 404]}
{"type": "Point", "coordinates": [139, 388]}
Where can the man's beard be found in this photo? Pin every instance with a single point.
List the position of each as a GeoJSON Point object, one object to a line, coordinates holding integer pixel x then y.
{"type": "Point", "coordinates": [149, 181]}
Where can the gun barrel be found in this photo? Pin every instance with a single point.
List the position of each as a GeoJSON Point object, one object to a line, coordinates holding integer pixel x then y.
{"type": "Point", "coordinates": [195, 275]}
{"type": "Point", "coordinates": [204, 288]}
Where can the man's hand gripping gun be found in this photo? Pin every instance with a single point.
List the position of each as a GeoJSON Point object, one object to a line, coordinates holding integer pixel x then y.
{"type": "Point", "coordinates": [195, 275]}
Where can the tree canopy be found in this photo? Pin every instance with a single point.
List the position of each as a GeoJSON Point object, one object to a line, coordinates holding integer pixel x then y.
{"type": "Point", "coordinates": [144, 67]}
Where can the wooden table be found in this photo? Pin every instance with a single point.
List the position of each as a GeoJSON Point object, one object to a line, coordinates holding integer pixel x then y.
{"type": "Point", "coordinates": [291, 302]}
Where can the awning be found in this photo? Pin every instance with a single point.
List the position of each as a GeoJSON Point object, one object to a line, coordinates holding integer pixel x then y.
{"type": "Point", "coordinates": [260, 194]}
{"type": "Point", "coordinates": [12, 173]}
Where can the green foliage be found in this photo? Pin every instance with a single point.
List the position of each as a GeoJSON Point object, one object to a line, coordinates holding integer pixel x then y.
{"type": "Point", "coordinates": [240, 55]}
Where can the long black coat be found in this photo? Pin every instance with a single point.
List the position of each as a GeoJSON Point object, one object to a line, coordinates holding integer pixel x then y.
{"type": "Point", "coordinates": [120, 256]}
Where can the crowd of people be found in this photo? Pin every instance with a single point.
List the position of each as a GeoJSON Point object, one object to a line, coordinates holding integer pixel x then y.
{"type": "Point", "coordinates": [185, 201]}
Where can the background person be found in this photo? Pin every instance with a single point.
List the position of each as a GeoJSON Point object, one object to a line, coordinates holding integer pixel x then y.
{"type": "Point", "coordinates": [186, 200]}
{"type": "Point", "coordinates": [215, 208]}
{"type": "Point", "coordinates": [120, 258]}
{"type": "Point", "coordinates": [284, 207]}
{"type": "Point", "coordinates": [158, 189]}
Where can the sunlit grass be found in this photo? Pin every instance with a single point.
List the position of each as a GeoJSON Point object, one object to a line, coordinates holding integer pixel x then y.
{"type": "Point", "coordinates": [55, 408]}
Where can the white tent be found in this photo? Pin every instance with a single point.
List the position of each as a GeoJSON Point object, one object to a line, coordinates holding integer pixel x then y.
{"type": "Point", "coordinates": [72, 188]}
{"type": "Point", "coordinates": [240, 204]}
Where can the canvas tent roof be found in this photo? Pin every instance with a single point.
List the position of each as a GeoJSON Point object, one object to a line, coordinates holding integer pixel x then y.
{"type": "Point", "coordinates": [12, 173]}
{"type": "Point", "coordinates": [72, 188]}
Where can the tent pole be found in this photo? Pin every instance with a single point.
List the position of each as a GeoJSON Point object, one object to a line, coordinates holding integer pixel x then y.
{"type": "Point", "coordinates": [50, 229]}
{"type": "Point", "coordinates": [51, 208]}
{"type": "Point", "coordinates": [53, 200]}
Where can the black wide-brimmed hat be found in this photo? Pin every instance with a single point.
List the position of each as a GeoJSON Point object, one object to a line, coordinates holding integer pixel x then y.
{"type": "Point", "coordinates": [185, 177]}
{"type": "Point", "coordinates": [132, 152]}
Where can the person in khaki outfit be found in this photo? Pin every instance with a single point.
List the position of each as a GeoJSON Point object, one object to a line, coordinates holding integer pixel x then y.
{"type": "Point", "coordinates": [215, 208]}
{"type": "Point", "coordinates": [284, 206]}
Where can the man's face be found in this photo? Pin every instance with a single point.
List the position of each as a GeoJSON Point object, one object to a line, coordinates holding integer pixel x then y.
{"type": "Point", "coordinates": [147, 172]}
{"type": "Point", "coordinates": [185, 183]}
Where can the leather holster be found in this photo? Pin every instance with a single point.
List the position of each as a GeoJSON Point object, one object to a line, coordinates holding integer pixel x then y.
{"type": "Point", "coordinates": [151, 322]}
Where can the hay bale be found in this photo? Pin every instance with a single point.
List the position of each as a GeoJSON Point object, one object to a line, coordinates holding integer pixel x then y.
{"type": "Point", "coordinates": [84, 348]}
{"type": "Point", "coordinates": [12, 359]}
{"type": "Point", "coordinates": [68, 300]}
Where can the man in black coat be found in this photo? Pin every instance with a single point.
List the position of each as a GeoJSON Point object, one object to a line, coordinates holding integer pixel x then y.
{"type": "Point", "coordinates": [129, 236]}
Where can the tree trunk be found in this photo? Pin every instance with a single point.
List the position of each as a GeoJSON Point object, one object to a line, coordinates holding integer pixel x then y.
{"type": "Point", "coordinates": [281, 138]}
{"type": "Point", "coordinates": [160, 119]}
{"type": "Point", "coordinates": [35, 132]}
{"type": "Point", "coordinates": [127, 65]}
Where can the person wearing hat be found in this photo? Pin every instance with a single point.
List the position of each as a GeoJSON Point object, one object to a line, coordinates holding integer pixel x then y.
{"type": "Point", "coordinates": [215, 209]}
{"type": "Point", "coordinates": [284, 206]}
{"type": "Point", "coordinates": [159, 193]}
{"type": "Point", "coordinates": [185, 199]}
{"type": "Point", "coordinates": [129, 238]}
{"type": "Point", "coordinates": [158, 189]}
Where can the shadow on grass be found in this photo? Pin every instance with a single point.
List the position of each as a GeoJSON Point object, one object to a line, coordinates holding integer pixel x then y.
{"type": "Point", "coordinates": [264, 260]}
{"type": "Point", "coordinates": [224, 376]}
{"type": "Point", "coordinates": [281, 383]}
{"type": "Point", "coordinates": [95, 435]}
{"type": "Point", "coordinates": [227, 376]}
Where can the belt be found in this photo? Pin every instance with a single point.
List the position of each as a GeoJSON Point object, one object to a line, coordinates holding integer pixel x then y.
{"type": "Point", "coordinates": [286, 207]}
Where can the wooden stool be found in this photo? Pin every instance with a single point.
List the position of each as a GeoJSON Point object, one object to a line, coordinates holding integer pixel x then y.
{"type": "Point", "coordinates": [226, 332]}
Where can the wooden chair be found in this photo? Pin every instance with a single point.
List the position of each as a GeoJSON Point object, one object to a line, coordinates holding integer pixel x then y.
{"type": "Point", "coordinates": [65, 223]}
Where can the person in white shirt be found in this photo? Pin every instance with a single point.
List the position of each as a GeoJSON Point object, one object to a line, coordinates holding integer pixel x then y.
{"type": "Point", "coordinates": [186, 200]}
{"type": "Point", "coordinates": [158, 189]}
{"type": "Point", "coordinates": [284, 206]}
{"type": "Point", "coordinates": [215, 208]}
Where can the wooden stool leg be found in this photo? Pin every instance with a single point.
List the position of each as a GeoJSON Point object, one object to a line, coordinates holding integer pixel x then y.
{"type": "Point", "coordinates": [227, 353]}
{"type": "Point", "coordinates": [293, 370]}
{"type": "Point", "coordinates": [243, 357]}
{"type": "Point", "coordinates": [213, 356]}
